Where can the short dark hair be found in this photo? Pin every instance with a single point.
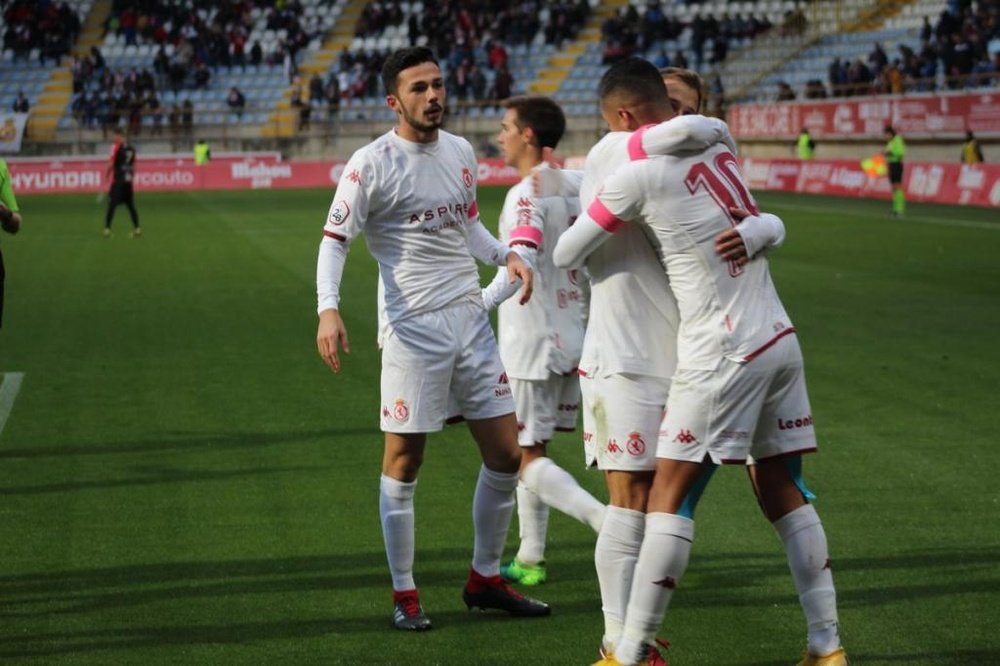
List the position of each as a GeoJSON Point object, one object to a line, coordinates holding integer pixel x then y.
{"type": "Point", "coordinates": [688, 77]}
{"type": "Point", "coordinates": [889, 130]}
{"type": "Point", "coordinates": [542, 115]}
{"type": "Point", "coordinates": [635, 78]}
{"type": "Point", "coordinates": [403, 59]}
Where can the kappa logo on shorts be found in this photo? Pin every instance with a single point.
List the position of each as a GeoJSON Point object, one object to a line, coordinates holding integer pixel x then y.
{"type": "Point", "coordinates": [635, 444]}
{"type": "Point", "coordinates": [613, 446]}
{"type": "Point", "coordinates": [467, 177]}
{"type": "Point", "coordinates": [685, 437]}
{"type": "Point", "coordinates": [339, 213]}
{"type": "Point", "coordinates": [401, 412]}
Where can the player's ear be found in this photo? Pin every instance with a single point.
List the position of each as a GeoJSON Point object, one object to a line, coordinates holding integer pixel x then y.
{"type": "Point", "coordinates": [391, 101]}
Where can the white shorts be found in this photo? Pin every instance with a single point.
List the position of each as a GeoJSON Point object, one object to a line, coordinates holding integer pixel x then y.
{"type": "Point", "coordinates": [621, 419]}
{"type": "Point", "coordinates": [759, 408]}
{"type": "Point", "coordinates": [429, 357]}
{"type": "Point", "coordinates": [545, 406]}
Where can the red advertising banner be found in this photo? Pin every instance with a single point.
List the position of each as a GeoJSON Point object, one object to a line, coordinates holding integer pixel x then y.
{"type": "Point", "coordinates": [918, 116]}
{"type": "Point", "coordinates": [264, 171]}
{"type": "Point", "coordinates": [936, 182]}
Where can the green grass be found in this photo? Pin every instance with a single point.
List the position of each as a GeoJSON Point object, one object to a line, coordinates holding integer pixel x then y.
{"type": "Point", "coordinates": [183, 481]}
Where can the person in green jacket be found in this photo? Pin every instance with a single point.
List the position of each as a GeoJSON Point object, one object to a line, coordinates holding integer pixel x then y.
{"type": "Point", "coordinates": [202, 153]}
{"type": "Point", "coordinates": [10, 219]}
{"type": "Point", "coordinates": [805, 146]}
{"type": "Point", "coordinates": [895, 151]}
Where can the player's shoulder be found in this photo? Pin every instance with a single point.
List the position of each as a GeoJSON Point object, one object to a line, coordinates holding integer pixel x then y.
{"type": "Point", "coordinates": [611, 143]}
{"type": "Point", "coordinates": [455, 143]}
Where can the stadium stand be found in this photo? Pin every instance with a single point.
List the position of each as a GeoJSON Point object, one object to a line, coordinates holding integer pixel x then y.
{"type": "Point", "coordinates": [311, 67]}
{"type": "Point", "coordinates": [925, 47]}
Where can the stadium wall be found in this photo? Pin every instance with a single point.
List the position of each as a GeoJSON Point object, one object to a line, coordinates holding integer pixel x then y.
{"type": "Point", "coordinates": [938, 182]}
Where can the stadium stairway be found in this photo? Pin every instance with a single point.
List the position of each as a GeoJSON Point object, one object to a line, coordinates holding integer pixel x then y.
{"type": "Point", "coordinates": [551, 78]}
{"type": "Point", "coordinates": [43, 122]}
{"type": "Point", "coordinates": [283, 120]}
{"type": "Point", "coordinates": [876, 16]}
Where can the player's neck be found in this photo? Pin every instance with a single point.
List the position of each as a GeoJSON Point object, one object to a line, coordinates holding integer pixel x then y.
{"type": "Point", "coordinates": [410, 133]}
{"type": "Point", "coordinates": [527, 164]}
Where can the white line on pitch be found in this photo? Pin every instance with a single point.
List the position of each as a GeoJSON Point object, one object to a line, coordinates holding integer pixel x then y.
{"type": "Point", "coordinates": [8, 391]}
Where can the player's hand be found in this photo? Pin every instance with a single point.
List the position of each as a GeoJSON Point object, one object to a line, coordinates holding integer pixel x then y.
{"type": "Point", "coordinates": [729, 244]}
{"type": "Point", "coordinates": [518, 269]}
{"type": "Point", "coordinates": [331, 335]}
{"type": "Point", "coordinates": [8, 221]}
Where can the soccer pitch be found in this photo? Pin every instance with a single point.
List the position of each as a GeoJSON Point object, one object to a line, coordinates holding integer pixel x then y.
{"type": "Point", "coordinates": [182, 481]}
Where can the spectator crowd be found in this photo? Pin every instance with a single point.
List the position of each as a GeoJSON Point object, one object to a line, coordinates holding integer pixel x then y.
{"type": "Point", "coordinates": [961, 49]}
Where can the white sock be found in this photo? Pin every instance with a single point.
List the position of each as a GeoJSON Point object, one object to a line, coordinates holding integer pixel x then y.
{"type": "Point", "coordinates": [615, 555]}
{"type": "Point", "coordinates": [559, 489]}
{"type": "Point", "coordinates": [492, 508]}
{"type": "Point", "coordinates": [663, 559]}
{"type": "Point", "coordinates": [801, 531]}
{"type": "Point", "coordinates": [395, 507]}
{"type": "Point", "coordinates": [533, 520]}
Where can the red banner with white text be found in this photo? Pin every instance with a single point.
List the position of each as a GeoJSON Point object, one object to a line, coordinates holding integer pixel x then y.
{"type": "Point", "coordinates": [917, 116]}
{"type": "Point", "coordinates": [265, 171]}
{"type": "Point", "coordinates": [935, 182]}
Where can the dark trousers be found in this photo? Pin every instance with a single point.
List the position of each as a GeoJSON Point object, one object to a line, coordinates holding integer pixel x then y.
{"type": "Point", "coordinates": [121, 193]}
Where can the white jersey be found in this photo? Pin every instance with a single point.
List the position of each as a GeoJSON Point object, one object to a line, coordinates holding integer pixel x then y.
{"type": "Point", "coordinates": [633, 315]}
{"type": "Point", "coordinates": [416, 205]}
{"type": "Point", "coordinates": [726, 310]}
{"type": "Point", "coordinates": [545, 335]}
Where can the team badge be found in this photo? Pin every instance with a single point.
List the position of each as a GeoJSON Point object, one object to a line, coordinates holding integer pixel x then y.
{"type": "Point", "coordinates": [339, 213]}
{"type": "Point", "coordinates": [401, 412]}
{"type": "Point", "coordinates": [467, 178]}
{"type": "Point", "coordinates": [635, 445]}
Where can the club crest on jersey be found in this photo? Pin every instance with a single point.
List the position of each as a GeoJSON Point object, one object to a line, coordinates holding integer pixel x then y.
{"type": "Point", "coordinates": [635, 444]}
{"type": "Point", "coordinates": [467, 177]}
{"type": "Point", "coordinates": [339, 213]}
{"type": "Point", "coordinates": [401, 412]}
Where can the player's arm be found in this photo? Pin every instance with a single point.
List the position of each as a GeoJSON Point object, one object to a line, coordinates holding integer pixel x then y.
{"type": "Point", "coordinates": [680, 134]}
{"type": "Point", "coordinates": [753, 234]}
{"type": "Point", "coordinates": [346, 218]}
{"type": "Point", "coordinates": [500, 287]}
{"type": "Point", "coordinates": [485, 247]}
{"type": "Point", "coordinates": [605, 215]}
{"type": "Point", "coordinates": [525, 239]}
{"type": "Point", "coordinates": [10, 218]}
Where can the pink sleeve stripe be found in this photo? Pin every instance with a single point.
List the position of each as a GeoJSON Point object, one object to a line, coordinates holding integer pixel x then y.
{"type": "Point", "coordinates": [334, 236]}
{"type": "Point", "coordinates": [604, 217]}
{"type": "Point", "coordinates": [635, 149]}
{"type": "Point", "coordinates": [473, 210]}
{"type": "Point", "coordinates": [526, 233]}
